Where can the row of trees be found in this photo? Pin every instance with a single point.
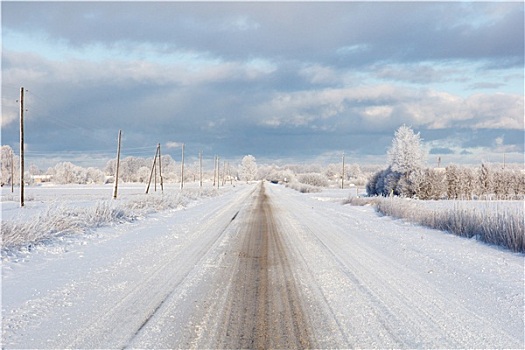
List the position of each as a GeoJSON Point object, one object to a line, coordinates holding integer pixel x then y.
{"type": "Point", "coordinates": [452, 182]}
{"type": "Point", "coordinates": [136, 169]}
{"type": "Point", "coordinates": [131, 169]}
{"type": "Point", "coordinates": [406, 176]}
{"type": "Point", "coordinates": [316, 175]}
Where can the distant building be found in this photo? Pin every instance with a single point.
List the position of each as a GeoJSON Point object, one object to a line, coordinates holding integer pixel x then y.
{"type": "Point", "coordinates": [39, 179]}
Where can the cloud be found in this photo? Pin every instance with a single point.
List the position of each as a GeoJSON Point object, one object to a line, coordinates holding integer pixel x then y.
{"type": "Point", "coordinates": [368, 32]}
{"type": "Point", "coordinates": [173, 144]}
{"type": "Point", "coordinates": [442, 150]}
{"type": "Point", "coordinates": [294, 78]}
{"type": "Point", "coordinates": [384, 106]}
{"type": "Point", "coordinates": [9, 111]}
{"type": "Point", "coordinates": [416, 73]}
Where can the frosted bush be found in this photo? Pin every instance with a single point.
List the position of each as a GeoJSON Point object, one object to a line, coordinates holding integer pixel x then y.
{"type": "Point", "coordinates": [313, 179]}
{"type": "Point", "coordinates": [303, 188]}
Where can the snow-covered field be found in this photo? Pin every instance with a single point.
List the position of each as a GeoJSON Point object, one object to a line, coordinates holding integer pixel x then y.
{"type": "Point", "coordinates": [169, 280]}
{"type": "Point", "coordinates": [57, 212]}
{"type": "Point", "coordinates": [38, 198]}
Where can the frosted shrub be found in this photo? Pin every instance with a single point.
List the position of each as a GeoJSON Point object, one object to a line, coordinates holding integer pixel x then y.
{"type": "Point", "coordinates": [282, 176]}
{"type": "Point", "coordinates": [362, 201]}
{"type": "Point", "coordinates": [313, 179]}
{"type": "Point", "coordinates": [303, 188]}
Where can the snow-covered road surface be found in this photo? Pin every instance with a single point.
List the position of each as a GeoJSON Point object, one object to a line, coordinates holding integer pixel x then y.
{"type": "Point", "coordinates": [263, 266]}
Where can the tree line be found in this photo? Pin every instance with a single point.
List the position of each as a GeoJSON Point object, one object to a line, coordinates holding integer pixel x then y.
{"type": "Point", "coordinates": [137, 170]}
{"type": "Point", "coordinates": [131, 170]}
{"type": "Point", "coordinates": [406, 176]}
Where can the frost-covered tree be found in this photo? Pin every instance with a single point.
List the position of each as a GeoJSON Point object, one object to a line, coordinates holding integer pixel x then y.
{"type": "Point", "coordinates": [485, 180]}
{"type": "Point", "coordinates": [519, 183]}
{"type": "Point", "coordinates": [143, 174]}
{"type": "Point", "coordinates": [406, 153]}
{"type": "Point", "coordinates": [94, 175]}
{"type": "Point", "coordinates": [453, 177]}
{"type": "Point", "coordinates": [391, 182]}
{"type": "Point", "coordinates": [313, 179]}
{"type": "Point", "coordinates": [409, 185]}
{"type": "Point", "coordinates": [281, 175]}
{"type": "Point", "coordinates": [248, 169]}
{"type": "Point", "coordinates": [468, 183]}
{"type": "Point", "coordinates": [372, 184]}
{"type": "Point", "coordinates": [69, 173]}
{"type": "Point", "coordinates": [170, 169]}
{"type": "Point", "coordinates": [433, 185]}
{"type": "Point", "coordinates": [405, 171]}
{"type": "Point", "coordinates": [333, 171]}
{"type": "Point", "coordinates": [9, 165]}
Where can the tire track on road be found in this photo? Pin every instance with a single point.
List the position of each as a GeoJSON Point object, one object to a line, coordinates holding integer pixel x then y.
{"type": "Point", "coordinates": [266, 309]}
{"type": "Point", "coordinates": [139, 305]}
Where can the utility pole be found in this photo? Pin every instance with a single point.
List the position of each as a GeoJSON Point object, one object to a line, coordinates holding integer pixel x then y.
{"type": "Point", "coordinates": [160, 170]}
{"type": "Point", "coordinates": [200, 168]}
{"type": "Point", "coordinates": [223, 172]}
{"type": "Point", "coordinates": [504, 161]}
{"type": "Point", "coordinates": [182, 169]}
{"type": "Point", "coordinates": [12, 172]}
{"type": "Point", "coordinates": [230, 174]}
{"type": "Point", "coordinates": [214, 169]}
{"type": "Point", "coordinates": [218, 172]}
{"type": "Point", "coordinates": [115, 190]}
{"type": "Point", "coordinates": [153, 168]}
{"type": "Point", "coordinates": [21, 146]}
{"type": "Point", "coordinates": [343, 176]}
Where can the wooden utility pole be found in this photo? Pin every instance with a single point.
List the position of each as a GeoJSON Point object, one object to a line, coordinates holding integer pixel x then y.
{"type": "Point", "coordinates": [214, 169]}
{"type": "Point", "coordinates": [343, 176]}
{"type": "Point", "coordinates": [21, 146]}
{"type": "Point", "coordinates": [153, 169]}
{"type": "Point", "coordinates": [223, 172]}
{"type": "Point", "coordinates": [115, 190]}
{"type": "Point", "coordinates": [12, 172]}
{"type": "Point", "coordinates": [182, 169]}
{"type": "Point", "coordinates": [218, 172]}
{"type": "Point", "coordinates": [200, 168]}
{"type": "Point", "coordinates": [160, 170]}
{"type": "Point", "coordinates": [230, 174]}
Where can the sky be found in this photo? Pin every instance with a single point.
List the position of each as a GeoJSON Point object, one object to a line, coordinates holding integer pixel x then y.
{"type": "Point", "coordinates": [287, 82]}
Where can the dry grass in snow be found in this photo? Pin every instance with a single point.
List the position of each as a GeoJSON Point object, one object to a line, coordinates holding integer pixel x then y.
{"type": "Point", "coordinates": [499, 223]}
{"type": "Point", "coordinates": [61, 219]}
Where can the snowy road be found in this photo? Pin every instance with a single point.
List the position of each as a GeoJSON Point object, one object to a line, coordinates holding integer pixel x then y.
{"type": "Point", "coordinates": [267, 267]}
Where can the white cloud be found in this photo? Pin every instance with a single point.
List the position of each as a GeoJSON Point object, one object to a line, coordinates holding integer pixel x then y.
{"type": "Point", "coordinates": [242, 23]}
{"type": "Point", "coordinates": [173, 144]}
{"type": "Point", "coordinates": [318, 74]}
{"type": "Point", "coordinates": [9, 111]}
{"type": "Point", "coordinates": [389, 105]}
{"type": "Point", "coordinates": [378, 112]}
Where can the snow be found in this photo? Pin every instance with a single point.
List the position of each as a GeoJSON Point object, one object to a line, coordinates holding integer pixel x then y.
{"type": "Point", "coordinates": [367, 281]}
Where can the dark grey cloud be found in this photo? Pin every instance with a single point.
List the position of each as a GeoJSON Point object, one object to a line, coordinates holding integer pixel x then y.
{"type": "Point", "coordinates": [386, 31]}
